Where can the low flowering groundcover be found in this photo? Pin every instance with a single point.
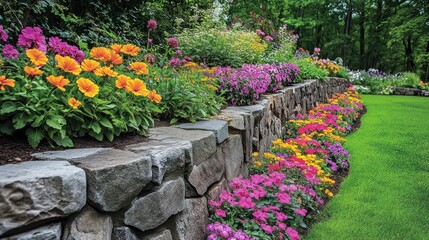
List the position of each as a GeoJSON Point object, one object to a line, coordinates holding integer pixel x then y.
{"type": "Point", "coordinates": [289, 183]}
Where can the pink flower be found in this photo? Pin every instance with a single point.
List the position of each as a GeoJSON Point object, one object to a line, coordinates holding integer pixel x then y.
{"type": "Point", "coordinates": [187, 58]}
{"type": "Point", "coordinates": [10, 52]}
{"type": "Point", "coordinates": [150, 58]}
{"type": "Point", "coordinates": [260, 215]}
{"type": "Point", "coordinates": [173, 42]}
{"type": "Point", "coordinates": [152, 25]}
{"type": "Point", "coordinates": [301, 212]}
{"type": "Point", "coordinates": [150, 40]}
{"type": "Point", "coordinates": [260, 33]}
{"type": "Point", "coordinates": [284, 198]}
{"type": "Point", "coordinates": [174, 62]}
{"type": "Point", "coordinates": [246, 202]}
{"type": "Point", "coordinates": [267, 228]}
{"type": "Point", "coordinates": [3, 34]}
{"type": "Point", "coordinates": [281, 225]}
{"type": "Point", "coordinates": [268, 38]}
{"type": "Point", "coordinates": [316, 50]}
{"type": "Point", "coordinates": [220, 213]}
{"type": "Point", "coordinates": [293, 234]}
{"type": "Point", "coordinates": [281, 216]}
{"type": "Point", "coordinates": [32, 38]}
{"type": "Point", "coordinates": [179, 53]}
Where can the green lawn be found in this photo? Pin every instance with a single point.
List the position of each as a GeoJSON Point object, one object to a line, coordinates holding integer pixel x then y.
{"type": "Point", "coordinates": [386, 195]}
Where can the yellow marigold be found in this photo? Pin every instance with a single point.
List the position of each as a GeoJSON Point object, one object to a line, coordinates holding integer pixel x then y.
{"type": "Point", "coordinates": [139, 67]}
{"type": "Point", "coordinates": [74, 103]}
{"type": "Point", "coordinates": [105, 71]}
{"type": "Point", "coordinates": [32, 72]}
{"type": "Point", "coordinates": [154, 97]}
{"type": "Point", "coordinates": [121, 81]}
{"type": "Point", "coordinates": [115, 58]}
{"type": "Point", "coordinates": [130, 49]}
{"type": "Point", "coordinates": [137, 87]}
{"type": "Point", "coordinates": [58, 81]}
{"type": "Point", "coordinates": [4, 81]}
{"type": "Point", "coordinates": [68, 64]}
{"type": "Point", "coordinates": [89, 65]}
{"type": "Point", "coordinates": [116, 47]}
{"type": "Point", "coordinates": [36, 56]}
{"type": "Point", "coordinates": [100, 53]}
{"type": "Point", "coordinates": [87, 87]}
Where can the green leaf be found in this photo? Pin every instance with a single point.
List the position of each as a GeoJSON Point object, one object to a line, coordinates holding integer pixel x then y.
{"type": "Point", "coordinates": [95, 127]}
{"type": "Point", "coordinates": [56, 122]}
{"type": "Point", "coordinates": [105, 122]}
{"type": "Point", "coordinates": [38, 121]}
{"type": "Point", "coordinates": [63, 142]}
{"type": "Point", "coordinates": [34, 136]}
{"type": "Point", "coordinates": [173, 121]}
{"type": "Point", "coordinates": [7, 107]}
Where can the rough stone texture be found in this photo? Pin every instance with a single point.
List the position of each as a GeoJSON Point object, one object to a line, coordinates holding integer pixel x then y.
{"type": "Point", "coordinates": [163, 234]}
{"type": "Point", "coordinates": [410, 91]}
{"type": "Point", "coordinates": [190, 224]}
{"type": "Point", "coordinates": [234, 119]}
{"type": "Point", "coordinates": [69, 154]}
{"type": "Point", "coordinates": [115, 177]}
{"type": "Point", "coordinates": [88, 225]}
{"type": "Point", "coordinates": [208, 172]}
{"type": "Point", "coordinates": [34, 191]}
{"type": "Point", "coordinates": [49, 232]}
{"type": "Point", "coordinates": [220, 128]}
{"type": "Point", "coordinates": [234, 158]}
{"type": "Point", "coordinates": [203, 142]}
{"type": "Point", "coordinates": [123, 233]}
{"type": "Point", "coordinates": [167, 156]}
{"type": "Point", "coordinates": [216, 189]}
{"type": "Point", "coordinates": [153, 209]}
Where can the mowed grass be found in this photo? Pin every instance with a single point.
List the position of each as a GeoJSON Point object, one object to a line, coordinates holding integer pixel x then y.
{"type": "Point", "coordinates": [386, 195]}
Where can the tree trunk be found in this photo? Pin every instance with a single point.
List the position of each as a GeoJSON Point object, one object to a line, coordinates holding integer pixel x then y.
{"type": "Point", "coordinates": [347, 26]}
{"type": "Point", "coordinates": [362, 62]}
{"type": "Point", "coordinates": [409, 61]}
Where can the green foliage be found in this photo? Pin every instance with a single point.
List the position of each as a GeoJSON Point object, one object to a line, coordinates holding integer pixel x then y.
{"type": "Point", "coordinates": [310, 71]}
{"type": "Point", "coordinates": [407, 79]}
{"type": "Point", "coordinates": [343, 73]}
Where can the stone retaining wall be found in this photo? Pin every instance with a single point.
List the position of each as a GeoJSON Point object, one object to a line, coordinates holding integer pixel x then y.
{"type": "Point", "coordinates": [158, 189]}
{"type": "Point", "coordinates": [410, 91]}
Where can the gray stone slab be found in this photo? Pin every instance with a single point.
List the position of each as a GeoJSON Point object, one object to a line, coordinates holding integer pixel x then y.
{"type": "Point", "coordinates": [191, 223]}
{"type": "Point", "coordinates": [234, 119]}
{"type": "Point", "coordinates": [88, 225]}
{"type": "Point", "coordinates": [234, 157]}
{"type": "Point", "coordinates": [123, 233]}
{"type": "Point", "coordinates": [163, 234]}
{"type": "Point", "coordinates": [49, 232]}
{"type": "Point", "coordinates": [203, 142]}
{"type": "Point", "coordinates": [37, 190]}
{"type": "Point", "coordinates": [220, 128]}
{"type": "Point", "coordinates": [150, 211]}
{"type": "Point", "coordinates": [69, 154]}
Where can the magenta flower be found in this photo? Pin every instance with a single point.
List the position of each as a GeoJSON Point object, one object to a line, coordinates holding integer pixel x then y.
{"type": "Point", "coordinates": [10, 52]}
{"type": "Point", "coordinates": [260, 32]}
{"type": "Point", "coordinates": [174, 62]}
{"type": "Point", "coordinates": [173, 42]}
{"type": "Point", "coordinates": [32, 38]}
{"type": "Point", "coordinates": [301, 212]}
{"type": "Point", "coordinates": [268, 38]}
{"type": "Point", "coordinates": [179, 53]}
{"type": "Point", "coordinates": [152, 25]}
{"type": "Point", "coordinates": [3, 34]}
{"type": "Point", "coordinates": [188, 59]}
{"type": "Point", "coordinates": [220, 213]}
{"type": "Point", "coordinates": [150, 58]}
{"type": "Point", "coordinates": [58, 46]}
{"type": "Point", "coordinates": [293, 234]}
{"type": "Point", "coordinates": [267, 228]}
{"type": "Point", "coordinates": [284, 198]}
{"type": "Point", "coordinates": [316, 50]}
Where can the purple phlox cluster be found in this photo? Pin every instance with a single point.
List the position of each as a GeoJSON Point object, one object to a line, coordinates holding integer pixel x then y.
{"type": "Point", "coordinates": [219, 231]}
{"type": "Point", "coordinates": [338, 154]}
{"type": "Point", "coordinates": [10, 51]}
{"type": "Point", "coordinates": [173, 42]}
{"type": "Point", "coordinates": [32, 37]}
{"type": "Point", "coordinates": [58, 46]}
{"type": "Point", "coordinates": [3, 34]}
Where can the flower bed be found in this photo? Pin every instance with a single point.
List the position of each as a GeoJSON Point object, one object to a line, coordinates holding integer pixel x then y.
{"type": "Point", "coordinates": [292, 179]}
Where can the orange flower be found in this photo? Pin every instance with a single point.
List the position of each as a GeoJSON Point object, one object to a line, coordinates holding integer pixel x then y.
{"type": "Point", "coordinates": [32, 71]}
{"type": "Point", "coordinates": [121, 81]}
{"type": "Point", "coordinates": [139, 67]}
{"type": "Point", "coordinates": [89, 65]}
{"type": "Point", "coordinates": [105, 71]}
{"type": "Point", "coordinates": [74, 103]}
{"type": "Point", "coordinates": [68, 64]}
{"type": "Point", "coordinates": [137, 87]}
{"type": "Point", "coordinates": [58, 81]}
{"type": "Point", "coordinates": [36, 56]}
{"type": "Point", "coordinates": [6, 82]}
{"type": "Point", "coordinates": [116, 47]}
{"type": "Point", "coordinates": [87, 87]}
{"type": "Point", "coordinates": [115, 58]}
{"type": "Point", "coordinates": [130, 49]}
{"type": "Point", "coordinates": [153, 96]}
{"type": "Point", "coordinates": [100, 53]}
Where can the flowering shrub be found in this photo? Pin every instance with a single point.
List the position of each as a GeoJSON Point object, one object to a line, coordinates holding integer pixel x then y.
{"type": "Point", "coordinates": [290, 181]}
{"type": "Point", "coordinates": [245, 85]}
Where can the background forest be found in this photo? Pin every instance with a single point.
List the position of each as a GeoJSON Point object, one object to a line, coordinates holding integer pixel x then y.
{"type": "Point", "coordinates": [392, 36]}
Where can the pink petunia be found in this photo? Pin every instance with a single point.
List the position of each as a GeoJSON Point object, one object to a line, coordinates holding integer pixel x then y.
{"type": "Point", "coordinates": [293, 234]}
{"type": "Point", "coordinates": [302, 212]}
{"type": "Point", "coordinates": [220, 213]}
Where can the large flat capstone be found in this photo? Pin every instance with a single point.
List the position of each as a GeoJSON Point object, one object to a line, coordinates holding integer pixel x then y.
{"type": "Point", "coordinates": [153, 209]}
{"type": "Point", "coordinates": [115, 177]}
{"type": "Point", "coordinates": [37, 190]}
{"type": "Point", "coordinates": [218, 127]}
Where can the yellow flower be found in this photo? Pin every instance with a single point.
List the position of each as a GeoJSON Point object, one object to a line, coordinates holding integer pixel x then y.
{"type": "Point", "coordinates": [130, 49]}
{"type": "Point", "coordinates": [139, 67]}
{"type": "Point", "coordinates": [137, 87]}
{"type": "Point", "coordinates": [58, 81]}
{"type": "Point", "coordinates": [105, 71]}
{"type": "Point", "coordinates": [87, 87]}
{"type": "Point", "coordinates": [32, 72]}
{"type": "Point", "coordinates": [74, 103]}
{"type": "Point", "coordinates": [100, 53]}
{"type": "Point", "coordinates": [6, 82]}
{"type": "Point", "coordinates": [153, 96]}
{"type": "Point", "coordinates": [116, 47]}
{"type": "Point", "coordinates": [121, 81]}
{"type": "Point", "coordinates": [36, 56]}
{"type": "Point", "coordinates": [68, 64]}
{"type": "Point", "coordinates": [115, 58]}
{"type": "Point", "coordinates": [89, 65]}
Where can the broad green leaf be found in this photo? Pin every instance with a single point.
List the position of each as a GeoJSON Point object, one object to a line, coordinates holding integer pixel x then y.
{"type": "Point", "coordinates": [34, 136]}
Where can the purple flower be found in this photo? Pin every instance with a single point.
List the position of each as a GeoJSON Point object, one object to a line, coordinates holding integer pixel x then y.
{"type": "Point", "coordinates": [150, 58]}
{"type": "Point", "coordinates": [10, 52]}
{"type": "Point", "coordinates": [260, 33]}
{"type": "Point", "coordinates": [3, 34]}
{"type": "Point", "coordinates": [32, 38]}
{"type": "Point", "coordinates": [152, 25]}
{"type": "Point", "coordinates": [316, 50]}
{"type": "Point", "coordinates": [268, 38]}
{"type": "Point", "coordinates": [150, 40]}
{"type": "Point", "coordinates": [64, 49]}
{"type": "Point", "coordinates": [188, 59]}
{"type": "Point", "coordinates": [173, 42]}
{"type": "Point", "coordinates": [179, 53]}
{"type": "Point", "coordinates": [174, 62]}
